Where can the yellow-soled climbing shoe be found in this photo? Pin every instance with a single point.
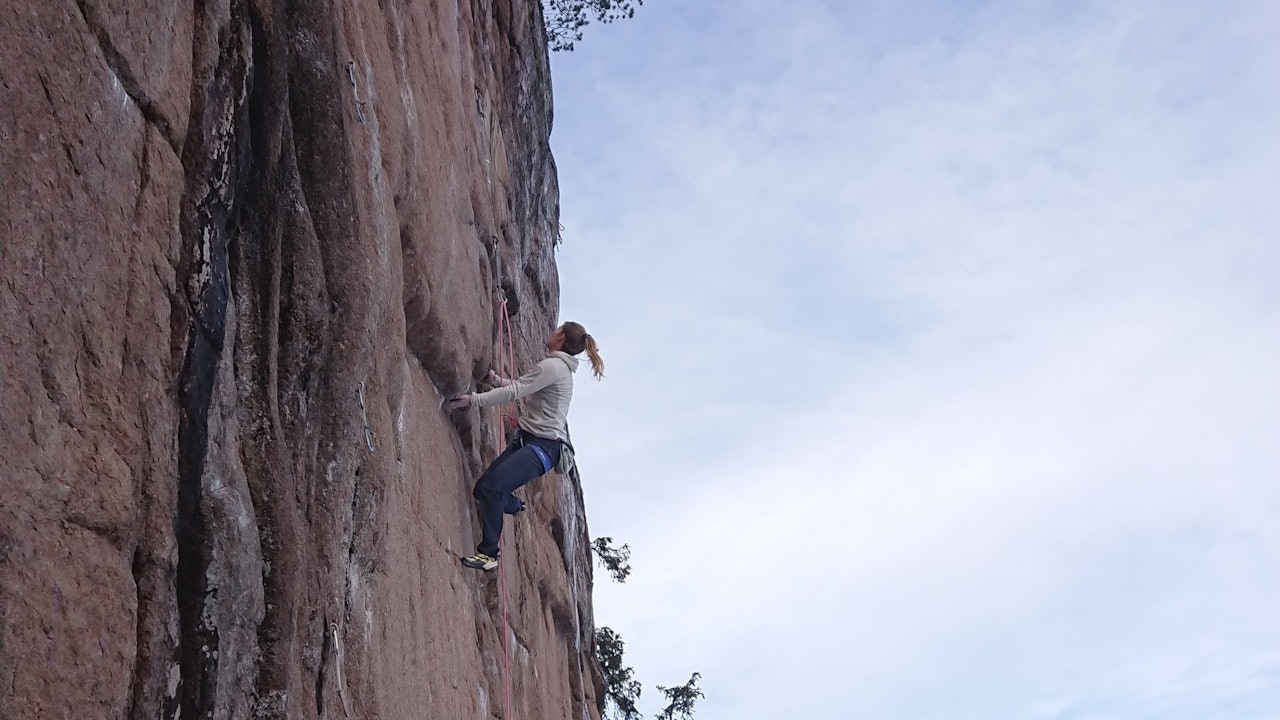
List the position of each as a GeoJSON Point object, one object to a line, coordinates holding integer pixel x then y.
{"type": "Point", "coordinates": [480, 561]}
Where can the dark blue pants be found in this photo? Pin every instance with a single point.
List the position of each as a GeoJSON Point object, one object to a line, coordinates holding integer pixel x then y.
{"type": "Point", "coordinates": [516, 466]}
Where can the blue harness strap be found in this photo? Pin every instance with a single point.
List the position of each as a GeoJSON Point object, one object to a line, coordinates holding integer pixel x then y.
{"type": "Point", "coordinates": [542, 455]}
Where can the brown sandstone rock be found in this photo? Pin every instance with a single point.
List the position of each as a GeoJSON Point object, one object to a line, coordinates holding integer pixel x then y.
{"type": "Point", "coordinates": [247, 248]}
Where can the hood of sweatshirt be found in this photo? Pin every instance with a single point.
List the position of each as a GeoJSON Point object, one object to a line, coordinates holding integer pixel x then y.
{"type": "Point", "coordinates": [568, 359]}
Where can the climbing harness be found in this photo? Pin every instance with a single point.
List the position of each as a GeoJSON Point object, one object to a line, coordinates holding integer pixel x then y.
{"type": "Point", "coordinates": [542, 456]}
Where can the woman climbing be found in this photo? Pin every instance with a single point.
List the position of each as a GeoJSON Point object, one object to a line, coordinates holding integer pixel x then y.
{"type": "Point", "coordinates": [539, 437]}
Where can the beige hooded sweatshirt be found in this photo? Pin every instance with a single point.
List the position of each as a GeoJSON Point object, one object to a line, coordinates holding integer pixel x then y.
{"type": "Point", "coordinates": [549, 388]}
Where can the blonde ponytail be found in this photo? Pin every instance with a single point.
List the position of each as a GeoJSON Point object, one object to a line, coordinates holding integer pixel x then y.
{"type": "Point", "coordinates": [593, 354]}
{"type": "Point", "coordinates": [577, 339]}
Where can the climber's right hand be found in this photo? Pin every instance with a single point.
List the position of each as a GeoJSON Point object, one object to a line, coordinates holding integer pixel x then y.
{"type": "Point", "coordinates": [460, 401]}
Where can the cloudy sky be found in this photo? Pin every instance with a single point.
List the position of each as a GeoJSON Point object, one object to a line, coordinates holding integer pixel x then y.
{"type": "Point", "coordinates": [943, 353]}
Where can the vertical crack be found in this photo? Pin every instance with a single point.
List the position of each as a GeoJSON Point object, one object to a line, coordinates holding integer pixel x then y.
{"type": "Point", "coordinates": [215, 168]}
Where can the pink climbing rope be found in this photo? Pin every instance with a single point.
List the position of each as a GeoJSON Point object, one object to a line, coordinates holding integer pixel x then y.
{"type": "Point", "coordinates": [506, 358]}
{"type": "Point", "coordinates": [506, 412]}
{"type": "Point", "coordinates": [506, 651]}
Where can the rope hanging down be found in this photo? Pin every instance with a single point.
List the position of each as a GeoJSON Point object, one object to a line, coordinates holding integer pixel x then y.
{"type": "Point", "coordinates": [507, 357]}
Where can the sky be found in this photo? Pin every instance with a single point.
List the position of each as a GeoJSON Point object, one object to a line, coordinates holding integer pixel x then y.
{"type": "Point", "coordinates": [942, 344]}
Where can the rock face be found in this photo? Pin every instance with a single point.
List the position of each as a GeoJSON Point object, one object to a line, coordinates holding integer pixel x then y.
{"type": "Point", "coordinates": [247, 248]}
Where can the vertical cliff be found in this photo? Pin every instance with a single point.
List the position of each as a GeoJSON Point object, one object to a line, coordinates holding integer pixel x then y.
{"type": "Point", "coordinates": [247, 247]}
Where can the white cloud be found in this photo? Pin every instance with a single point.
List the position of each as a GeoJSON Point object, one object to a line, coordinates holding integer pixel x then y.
{"type": "Point", "coordinates": [976, 304]}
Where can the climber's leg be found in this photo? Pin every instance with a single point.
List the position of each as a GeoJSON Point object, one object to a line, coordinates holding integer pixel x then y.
{"type": "Point", "coordinates": [493, 491]}
{"type": "Point", "coordinates": [512, 504]}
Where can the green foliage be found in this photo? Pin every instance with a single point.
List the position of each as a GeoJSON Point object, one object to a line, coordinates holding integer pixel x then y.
{"type": "Point", "coordinates": [620, 689]}
{"type": "Point", "coordinates": [680, 699]}
{"type": "Point", "coordinates": [615, 560]}
{"type": "Point", "coordinates": [565, 19]}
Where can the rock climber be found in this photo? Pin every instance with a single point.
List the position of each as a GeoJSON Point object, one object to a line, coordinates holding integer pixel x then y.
{"type": "Point", "coordinates": [540, 436]}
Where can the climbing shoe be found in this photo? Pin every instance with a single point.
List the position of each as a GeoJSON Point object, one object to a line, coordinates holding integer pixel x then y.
{"type": "Point", "coordinates": [480, 561]}
{"type": "Point", "coordinates": [518, 510]}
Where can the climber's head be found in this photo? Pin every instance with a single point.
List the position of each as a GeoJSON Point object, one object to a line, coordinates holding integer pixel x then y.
{"type": "Point", "coordinates": [572, 338]}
